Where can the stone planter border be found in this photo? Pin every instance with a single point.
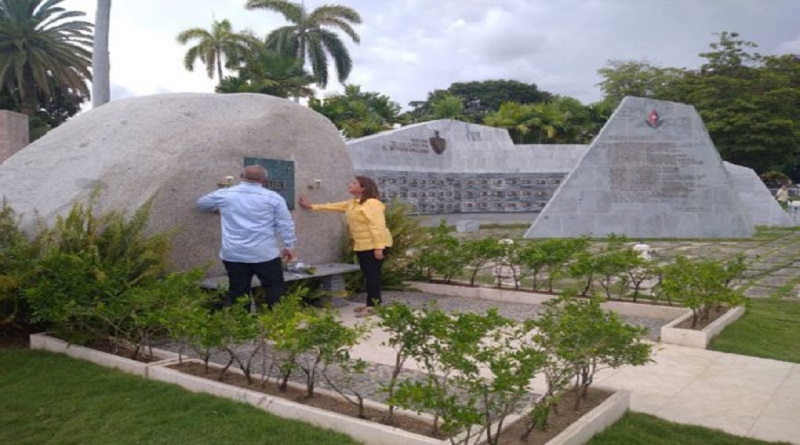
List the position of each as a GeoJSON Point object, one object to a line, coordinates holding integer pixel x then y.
{"type": "Point", "coordinates": [515, 296]}
{"type": "Point", "coordinates": [669, 333]}
{"type": "Point", "coordinates": [698, 338]}
{"type": "Point", "coordinates": [45, 342]}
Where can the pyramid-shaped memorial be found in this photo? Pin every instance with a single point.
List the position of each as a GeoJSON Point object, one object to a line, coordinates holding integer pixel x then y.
{"type": "Point", "coordinates": [652, 172]}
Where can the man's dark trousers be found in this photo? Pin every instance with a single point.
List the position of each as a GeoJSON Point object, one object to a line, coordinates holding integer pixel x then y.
{"type": "Point", "coordinates": [240, 276]}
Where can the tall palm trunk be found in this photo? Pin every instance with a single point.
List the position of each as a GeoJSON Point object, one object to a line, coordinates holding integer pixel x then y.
{"type": "Point", "coordinates": [101, 89]}
{"type": "Point", "coordinates": [28, 103]}
{"type": "Point", "coordinates": [219, 66]}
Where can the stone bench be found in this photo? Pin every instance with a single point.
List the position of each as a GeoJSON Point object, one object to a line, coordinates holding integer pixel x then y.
{"type": "Point", "coordinates": [332, 275]}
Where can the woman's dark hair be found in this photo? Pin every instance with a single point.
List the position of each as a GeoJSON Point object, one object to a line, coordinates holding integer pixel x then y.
{"type": "Point", "coordinates": [370, 189]}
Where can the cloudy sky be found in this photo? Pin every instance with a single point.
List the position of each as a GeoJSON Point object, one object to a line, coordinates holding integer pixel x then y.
{"type": "Point", "coordinates": [411, 47]}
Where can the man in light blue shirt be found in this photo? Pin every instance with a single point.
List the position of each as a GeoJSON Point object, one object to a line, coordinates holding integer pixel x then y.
{"type": "Point", "coordinates": [251, 217]}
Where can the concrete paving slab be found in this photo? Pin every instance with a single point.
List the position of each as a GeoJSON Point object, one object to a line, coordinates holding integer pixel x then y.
{"type": "Point", "coordinates": [759, 292]}
{"type": "Point", "coordinates": [776, 280]}
{"type": "Point", "coordinates": [776, 429]}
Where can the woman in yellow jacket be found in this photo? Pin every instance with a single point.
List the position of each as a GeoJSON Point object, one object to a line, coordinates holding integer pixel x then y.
{"type": "Point", "coordinates": [367, 225]}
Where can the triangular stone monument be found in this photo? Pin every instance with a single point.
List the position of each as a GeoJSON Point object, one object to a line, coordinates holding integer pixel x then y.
{"type": "Point", "coordinates": [652, 172]}
{"type": "Point", "coordinates": [761, 206]}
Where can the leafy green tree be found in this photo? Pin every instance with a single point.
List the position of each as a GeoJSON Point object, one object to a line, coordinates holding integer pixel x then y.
{"type": "Point", "coordinates": [638, 78]}
{"type": "Point", "coordinates": [448, 106]}
{"type": "Point", "coordinates": [212, 46]}
{"type": "Point", "coordinates": [41, 48]}
{"type": "Point", "coordinates": [515, 117]}
{"type": "Point", "coordinates": [580, 124]}
{"type": "Point", "coordinates": [261, 70]}
{"type": "Point", "coordinates": [748, 102]}
{"type": "Point", "coordinates": [52, 111]}
{"type": "Point", "coordinates": [358, 113]}
{"type": "Point", "coordinates": [441, 254]}
{"type": "Point", "coordinates": [549, 120]}
{"type": "Point", "coordinates": [703, 285]}
{"type": "Point", "coordinates": [312, 35]}
{"type": "Point", "coordinates": [406, 334]}
{"type": "Point", "coordinates": [560, 120]}
{"type": "Point", "coordinates": [587, 338]}
{"type": "Point", "coordinates": [480, 98]}
{"type": "Point", "coordinates": [479, 253]}
{"type": "Point", "coordinates": [477, 368]}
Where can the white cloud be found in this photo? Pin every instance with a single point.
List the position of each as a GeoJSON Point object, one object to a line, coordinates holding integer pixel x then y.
{"type": "Point", "coordinates": [411, 47]}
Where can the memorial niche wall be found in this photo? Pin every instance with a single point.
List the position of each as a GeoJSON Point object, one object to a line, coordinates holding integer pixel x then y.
{"type": "Point", "coordinates": [443, 193]}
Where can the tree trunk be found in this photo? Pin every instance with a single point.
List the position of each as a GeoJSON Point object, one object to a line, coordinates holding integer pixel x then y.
{"type": "Point", "coordinates": [219, 67]}
{"type": "Point", "coordinates": [28, 103]}
{"type": "Point", "coordinates": [101, 89]}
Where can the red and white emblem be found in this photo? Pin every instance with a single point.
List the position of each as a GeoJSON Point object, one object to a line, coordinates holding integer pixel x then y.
{"type": "Point", "coordinates": [653, 119]}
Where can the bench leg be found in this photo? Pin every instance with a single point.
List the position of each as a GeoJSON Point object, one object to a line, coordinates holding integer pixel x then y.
{"type": "Point", "coordinates": [333, 283]}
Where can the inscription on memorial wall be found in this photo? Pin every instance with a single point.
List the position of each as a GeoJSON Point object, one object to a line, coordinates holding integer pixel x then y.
{"type": "Point", "coordinates": [413, 145]}
{"type": "Point", "coordinates": [438, 193]}
{"type": "Point", "coordinates": [650, 172]}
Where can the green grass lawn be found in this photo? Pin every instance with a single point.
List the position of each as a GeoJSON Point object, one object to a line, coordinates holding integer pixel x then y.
{"type": "Point", "coordinates": [54, 399]}
{"type": "Point", "coordinates": [644, 429]}
{"type": "Point", "coordinates": [770, 328]}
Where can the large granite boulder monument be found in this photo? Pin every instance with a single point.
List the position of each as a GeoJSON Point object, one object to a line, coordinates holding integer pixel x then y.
{"type": "Point", "coordinates": [652, 172]}
{"type": "Point", "coordinates": [174, 148]}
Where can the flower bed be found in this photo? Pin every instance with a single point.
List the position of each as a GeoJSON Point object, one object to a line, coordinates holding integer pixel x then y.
{"type": "Point", "coordinates": [698, 338]}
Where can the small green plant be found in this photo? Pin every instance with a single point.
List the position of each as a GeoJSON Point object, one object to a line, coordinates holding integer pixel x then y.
{"type": "Point", "coordinates": [441, 254]}
{"type": "Point", "coordinates": [477, 369]}
{"type": "Point", "coordinates": [479, 253]}
{"type": "Point", "coordinates": [17, 257]}
{"type": "Point", "coordinates": [307, 339]}
{"type": "Point", "coordinates": [345, 378]}
{"type": "Point", "coordinates": [581, 338]}
{"type": "Point", "coordinates": [87, 263]}
{"type": "Point", "coordinates": [702, 285]}
{"type": "Point", "coordinates": [409, 331]}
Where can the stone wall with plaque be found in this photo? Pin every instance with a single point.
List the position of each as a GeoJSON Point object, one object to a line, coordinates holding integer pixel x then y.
{"type": "Point", "coordinates": [446, 193]}
{"type": "Point", "coordinates": [174, 148]}
{"type": "Point", "coordinates": [280, 177]}
{"type": "Point", "coordinates": [450, 167]}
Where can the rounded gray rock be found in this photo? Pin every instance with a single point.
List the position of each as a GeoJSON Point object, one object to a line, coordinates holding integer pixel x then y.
{"type": "Point", "coordinates": [174, 148]}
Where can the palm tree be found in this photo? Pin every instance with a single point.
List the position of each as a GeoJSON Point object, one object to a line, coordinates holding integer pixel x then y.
{"type": "Point", "coordinates": [212, 46]}
{"type": "Point", "coordinates": [100, 58]}
{"type": "Point", "coordinates": [358, 113]}
{"type": "Point", "coordinates": [515, 117]}
{"type": "Point", "coordinates": [309, 36]}
{"type": "Point", "coordinates": [41, 49]}
{"type": "Point", "coordinates": [261, 70]}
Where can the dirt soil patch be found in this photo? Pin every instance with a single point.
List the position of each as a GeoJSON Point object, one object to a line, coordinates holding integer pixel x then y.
{"type": "Point", "coordinates": [713, 315]}
{"type": "Point", "coordinates": [512, 435]}
{"type": "Point", "coordinates": [322, 401]}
